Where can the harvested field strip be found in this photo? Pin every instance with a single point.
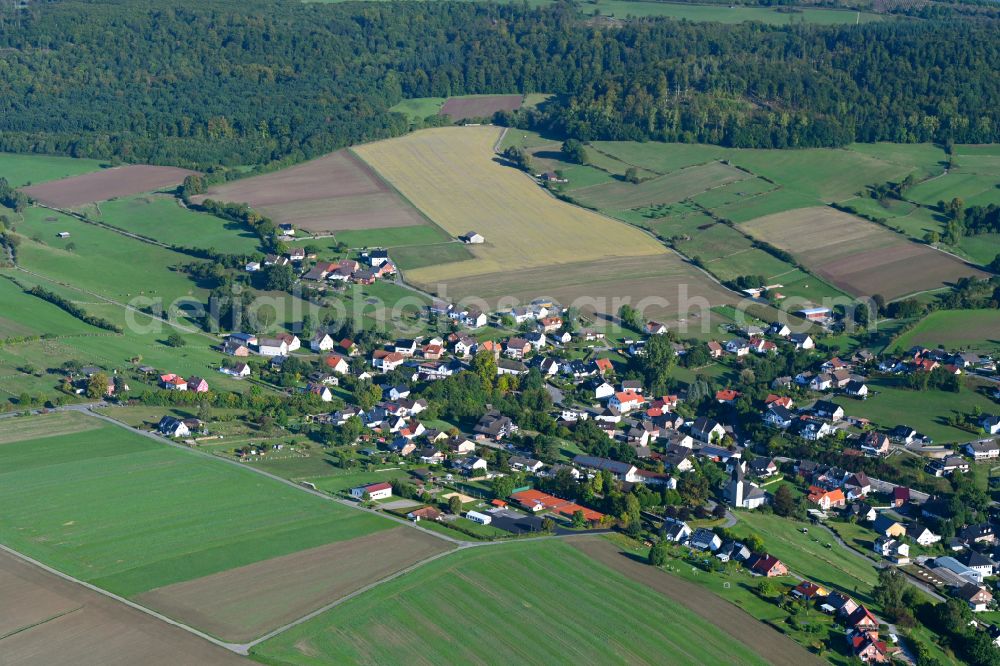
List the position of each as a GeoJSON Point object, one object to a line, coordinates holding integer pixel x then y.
{"type": "Point", "coordinates": [453, 176]}
{"type": "Point", "coordinates": [106, 184]}
{"type": "Point", "coordinates": [858, 256]}
{"type": "Point", "coordinates": [243, 603]}
{"type": "Point", "coordinates": [555, 604]}
{"type": "Point", "coordinates": [332, 193]}
{"type": "Point", "coordinates": [767, 642]}
{"type": "Point", "coordinates": [62, 423]}
{"type": "Point", "coordinates": [596, 286]}
{"type": "Point", "coordinates": [49, 620]}
{"type": "Point", "coordinates": [479, 106]}
{"type": "Point", "coordinates": [670, 188]}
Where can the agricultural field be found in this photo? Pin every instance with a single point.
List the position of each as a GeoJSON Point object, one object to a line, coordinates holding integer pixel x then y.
{"type": "Point", "coordinates": [164, 219]}
{"type": "Point", "coordinates": [669, 188]}
{"type": "Point", "coordinates": [449, 173]}
{"type": "Point", "coordinates": [21, 170]}
{"type": "Point", "coordinates": [84, 259]}
{"type": "Point", "coordinates": [548, 616]}
{"type": "Point", "coordinates": [23, 315]}
{"type": "Point", "coordinates": [49, 620]}
{"type": "Point", "coordinates": [659, 285]}
{"type": "Point", "coordinates": [106, 184]}
{"type": "Point", "coordinates": [335, 192]}
{"type": "Point", "coordinates": [858, 256]}
{"type": "Point", "coordinates": [115, 509]}
{"type": "Point", "coordinates": [479, 106]}
{"type": "Point", "coordinates": [890, 404]}
{"type": "Point", "coordinates": [975, 330]}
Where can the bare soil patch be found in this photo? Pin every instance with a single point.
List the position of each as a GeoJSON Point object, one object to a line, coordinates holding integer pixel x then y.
{"type": "Point", "coordinates": [47, 620]}
{"type": "Point", "coordinates": [107, 184]}
{"type": "Point", "coordinates": [460, 108]}
{"type": "Point", "coordinates": [859, 256]}
{"type": "Point", "coordinates": [243, 603]}
{"type": "Point", "coordinates": [765, 641]}
{"type": "Point", "coordinates": [332, 193]}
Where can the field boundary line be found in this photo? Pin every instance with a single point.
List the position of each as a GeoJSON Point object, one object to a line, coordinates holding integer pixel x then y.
{"type": "Point", "coordinates": [232, 647]}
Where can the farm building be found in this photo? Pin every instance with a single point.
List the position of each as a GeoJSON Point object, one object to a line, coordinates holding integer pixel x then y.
{"type": "Point", "coordinates": [472, 238]}
{"type": "Point", "coordinates": [375, 491]}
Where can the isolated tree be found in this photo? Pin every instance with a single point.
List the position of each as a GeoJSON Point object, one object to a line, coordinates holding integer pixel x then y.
{"type": "Point", "coordinates": [548, 525]}
{"type": "Point", "coordinates": [632, 175]}
{"type": "Point", "coordinates": [579, 520]}
{"type": "Point", "coordinates": [455, 505]}
{"type": "Point", "coordinates": [574, 152]}
{"type": "Point", "coordinates": [658, 554]}
{"type": "Point", "coordinates": [97, 386]}
{"type": "Point", "coordinates": [502, 486]}
{"type": "Point", "coordinates": [175, 340]}
{"type": "Point", "coordinates": [630, 318]}
{"type": "Point", "coordinates": [784, 502]}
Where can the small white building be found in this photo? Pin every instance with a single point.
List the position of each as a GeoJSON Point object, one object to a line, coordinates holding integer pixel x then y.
{"type": "Point", "coordinates": [321, 342]}
{"type": "Point", "coordinates": [481, 518]}
{"type": "Point", "coordinates": [473, 238]}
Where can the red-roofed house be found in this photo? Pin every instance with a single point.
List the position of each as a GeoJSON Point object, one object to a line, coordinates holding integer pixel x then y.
{"type": "Point", "coordinates": [763, 564]}
{"type": "Point", "coordinates": [376, 491]}
{"type": "Point", "coordinates": [727, 396]}
{"type": "Point", "coordinates": [173, 382]}
{"type": "Point", "coordinates": [900, 496]}
{"type": "Point", "coordinates": [827, 499]}
{"type": "Point", "coordinates": [809, 590]}
{"type": "Point", "coordinates": [337, 363]}
{"type": "Point", "coordinates": [714, 349]}
{"type": "Point", "coordinates": [625, 401]}
{"type": "Point", "coordinates": [603, 365]}
{"type": "Point", "coordinates": [780, 400]}
{"type": "Point", "coordinates": [862, 620]}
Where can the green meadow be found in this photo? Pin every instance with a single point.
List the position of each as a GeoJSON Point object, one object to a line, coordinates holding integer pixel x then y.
{"type": "Point", "coordinates": [130, 514]}
{"type": "Point", "coordinates": [21, 170]}
{"type": "Point", "coordinates": [531, 602]}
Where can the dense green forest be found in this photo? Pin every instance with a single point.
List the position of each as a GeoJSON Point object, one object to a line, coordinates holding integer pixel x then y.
{"type": "Point", "coordinates": [204, 82]}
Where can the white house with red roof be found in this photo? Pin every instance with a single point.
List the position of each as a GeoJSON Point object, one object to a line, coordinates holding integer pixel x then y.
{"type": "Point", "coordinates": [625, 401]}
{"type": "Point", "coordinates": [376, 491]}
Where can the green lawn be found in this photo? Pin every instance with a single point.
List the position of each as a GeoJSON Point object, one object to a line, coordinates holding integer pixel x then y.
{"type": "Point", "coordinates": [391, 236]}
{"type": "Point", "coordinates": [407, 258]}
{"type": "Point", "coordinates": [162, 218]}
{"type": "Point", "coordinates": [522, 602]}
{"type": "Point", "coordinates": [807, 554]}
{"type": "Point", "coordinates": [976, 330]}
{"type": "Point", "coordinates": [889, 405]}
{"type": "Point", "coordinates": [419, 108]}
{"type": "Point", "coordinates": [22, 170]}
{"type": "Point", "coordinates": [130, 514]}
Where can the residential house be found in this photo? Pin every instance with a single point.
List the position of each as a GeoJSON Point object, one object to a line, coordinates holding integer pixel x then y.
{"type": "Point", "coordinates": [828, 410]}
{"type": "Point", "coordinates": [655, 328]}
{"type": "Point", "coordinates": [802, 341]}
{"type": "Point", "coordinates": [622, 471]}
{"type": "Point", "coordinates": [922, 535]}
{"type": "Point", "coordinates": [272, 347]}
{"type": "Point", "coordinates": [738, 347]}
{"type": "Point", "coordinates": [321, 342]}
{"type": "Point", "coordinates": [779, 400]}
{"type": "Point", "coordinates": [948, 466]}
{"type": "Point", "coordinates": [900, 496]}
{"type": "Point", "coordinates": [238, 370]}
{"type": "Point", "coordinates": [494, 425]}
{"type": "Point", "coordinates": [425, 513]}
{"type": "Point", "coordinates": [337, 363]}
{"type": "Point", "coordinates": [706, 430]}
{"type": "Point", "coordinates": [811, 429]}
{"type": "Point", "coordinates": [625, 401]}
{"type": "Point", "coordinates": [983, 450]}
{"type": "Point", "coordinates": [827, 499]}
{"type": "Point", "coordinates": [677, 458]}
{"type": "Point", "coordinates": [173, 427]}
{"type": "Point", "coordinates": [778, 416]}
{"type": "Point", "coordinates": [809, 591]}
{"type": "Point", "coordinates": [979, 598]}
{"type": "Point", "coordinates": [726, 396]}
{"type": "Point", "coordinates": [762, 468]}
{"type": "Point", "coordinates": [862, 511]}
{"type": "Point", "coordinates": [990, 423]}
{"type": "Point", "coordinates": [856, 389]}
{"type": "Point", "coordinates": [762, 564]}
{"type": "Point", "coordinates": [888, 527]}
{"type": "Point", "coordinates": [173, 382]}
{"type": "Point", "coordinates": [893, 549]}
{"type": "Point", "coordinates": [530, 465]}
{"type": "Point", "coordinates": [857, 485]}
{"type": "Point", "coordinates": [675, 530]}
{"type": "Point", "coordinates": [704, 539]}
{"type": "Point", "coordinates": [714, 349]}
{"type": "Point", "coordinates": [875, 444]}
{"type": "Point", "coordinates": [981, 533]}
{"type": "Point", "coordinates": [517, 348]}
{"type": "Point", "coordinates": [733, 550]}
{"type": "Point", "coordinates": [981, 563]}
{"type": "Point", "coordinates": [387, 361]}
{"type": "Point", "coordinates": [197, 385]}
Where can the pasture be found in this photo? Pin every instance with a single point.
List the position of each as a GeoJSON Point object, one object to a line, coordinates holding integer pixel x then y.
{"type": "Point", "coordinates": [21, 170]}
{"type": "Point", "coordinates": [49, 620]}
{"type": "Point", "coordinates": [669, 188]}
{"type": "Point", "coordinates": [548, 617]}
{"type": "Point", "coordinates": [106, 184]}
{"type": "Point", "coordinates": [975, 330]}
{"type": "Point", "coordinates": [130, 514]}
{"type": "Point", "coordinates": [858, 256]}
{"type": "Point", "coordinates": [335, 192]}
{"type": "Point", "coordinates": [164, 219]}
{"type": "Point", "coordinates": [23, 315]}
{"type": "Point", "coordinates": [452, 175]}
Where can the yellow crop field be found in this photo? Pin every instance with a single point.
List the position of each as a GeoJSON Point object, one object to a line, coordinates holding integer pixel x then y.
{"type": "Point", "coordinates": [451, 175]}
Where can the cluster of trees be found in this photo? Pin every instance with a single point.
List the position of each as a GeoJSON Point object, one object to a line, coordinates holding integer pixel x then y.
{"type": "Point", "coordinates": [12, 197]}
{"type": "Point", "coordinates": [239, 82]}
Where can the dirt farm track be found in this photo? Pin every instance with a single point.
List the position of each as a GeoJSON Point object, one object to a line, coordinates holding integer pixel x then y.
{"type": "Point", "coordinates": [46, 620]}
